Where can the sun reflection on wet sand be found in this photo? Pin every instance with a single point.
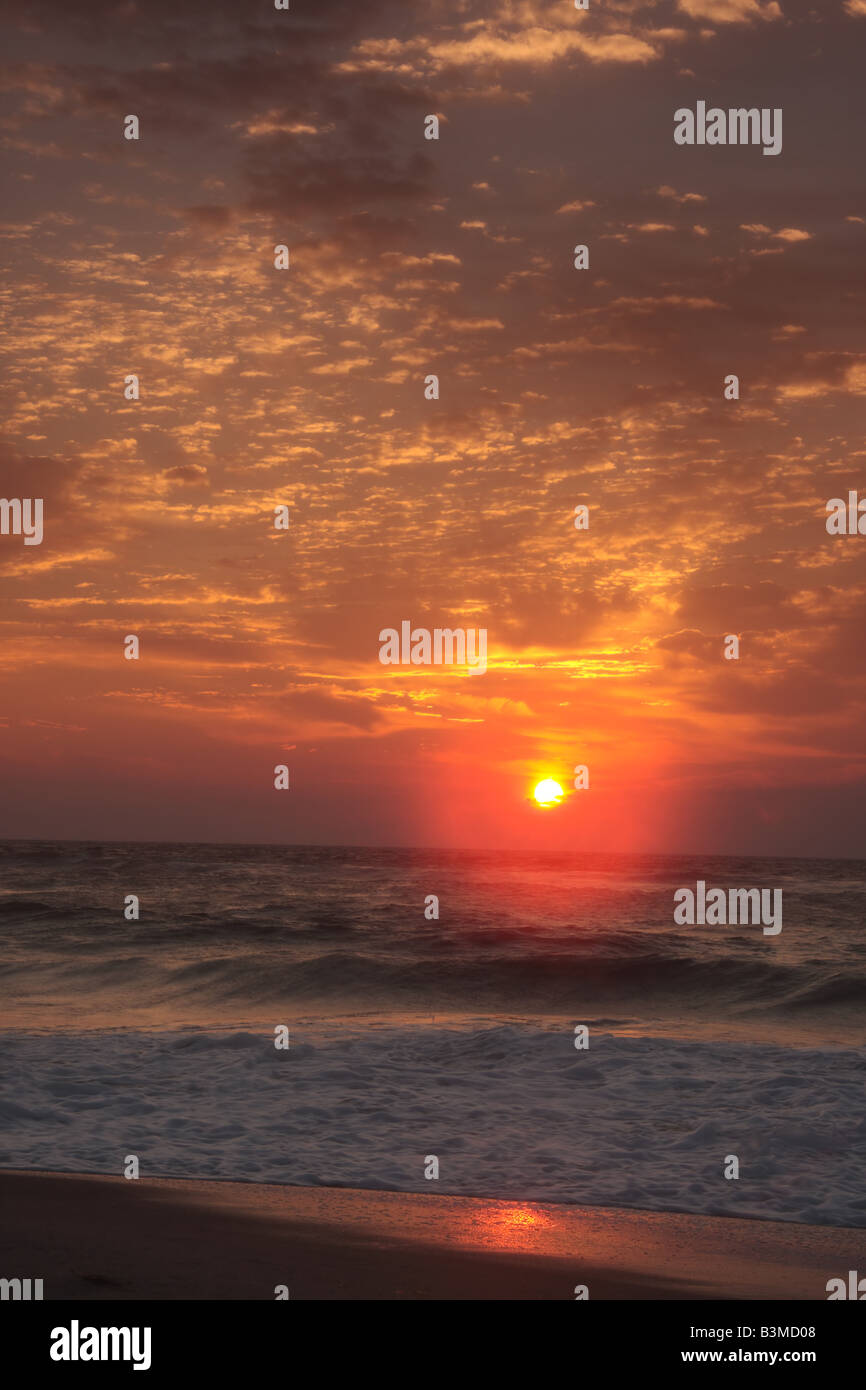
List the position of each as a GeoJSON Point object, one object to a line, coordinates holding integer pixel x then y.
{"type": "Point", "coordinates": [506, 1226]}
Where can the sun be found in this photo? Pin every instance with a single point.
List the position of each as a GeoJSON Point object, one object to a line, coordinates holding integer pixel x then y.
{"type": "Point", "coordinates": [548, 792]}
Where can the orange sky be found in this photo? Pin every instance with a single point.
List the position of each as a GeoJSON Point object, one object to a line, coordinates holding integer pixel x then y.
{"type": "Point", "coordinates": [558, 387]}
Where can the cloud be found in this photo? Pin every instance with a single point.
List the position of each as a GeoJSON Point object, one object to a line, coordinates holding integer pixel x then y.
{"type": "Point", "coordinates": [533, 46]}
{"type": "Point", "coordinates": [649, 303]}
{"type": "Point", "coordinates": [186, 474]}
{"type": "Point", "coordinates": [789, 234]}
{"type": "Point", "coordinates": [539, 47]}
{"type": "Point", "coordinates": [343, 367]}
{"type": "Point", "coordinates": [665, 191]}
{"type": "Point", "coordinates": [848, 378]}
{"type": "Point", "coordinates": [731, 11]}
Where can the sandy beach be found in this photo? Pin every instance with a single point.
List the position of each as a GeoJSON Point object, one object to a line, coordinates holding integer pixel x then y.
{"type": "Point", "coordinates": [108, 1238]}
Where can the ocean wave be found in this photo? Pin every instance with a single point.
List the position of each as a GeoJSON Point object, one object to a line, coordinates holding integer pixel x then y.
{"type": "Point", "coordinates": [228, 928]}
{"type": "Point", "coordinates": [511, 1111]}
{"type": "Point", "coordinates": [511, 982]}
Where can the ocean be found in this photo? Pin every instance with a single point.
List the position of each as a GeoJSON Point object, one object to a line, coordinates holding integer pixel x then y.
{"type": "Point", "coordinates": [412, 1037]}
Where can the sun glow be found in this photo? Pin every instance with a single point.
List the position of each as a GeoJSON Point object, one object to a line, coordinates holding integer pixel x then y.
{"type": "Point", "coordinates": [548, 792]}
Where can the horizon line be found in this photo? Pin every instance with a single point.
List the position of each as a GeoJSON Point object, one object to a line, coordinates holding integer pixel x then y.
{"type": "Point", "coordinates": [436, 849]}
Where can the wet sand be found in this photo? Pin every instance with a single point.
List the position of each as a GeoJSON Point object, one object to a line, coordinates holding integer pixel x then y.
{"type": "Point", "coordinates": [95, 1237]}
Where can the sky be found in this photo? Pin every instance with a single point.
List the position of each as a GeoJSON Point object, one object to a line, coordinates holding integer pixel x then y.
{"type": "Point", "coordinates": [558, 387]}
